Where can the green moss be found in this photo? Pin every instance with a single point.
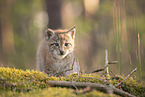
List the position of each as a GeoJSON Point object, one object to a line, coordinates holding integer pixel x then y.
{"type": "Point", "coordinates": [20, 80]}
{"type": "Point", "coordinates": [56, 92]}
{"type": "Point", "coordinates": [15, 82]}
{"type": "Point", "coordinates": [131, 86]}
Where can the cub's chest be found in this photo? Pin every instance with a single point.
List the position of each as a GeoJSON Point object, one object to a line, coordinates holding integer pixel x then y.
{"type": "Point", "coordinates": [61, 65]}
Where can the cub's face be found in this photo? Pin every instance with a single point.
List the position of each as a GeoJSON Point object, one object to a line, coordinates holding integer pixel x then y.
{"type": "Point", "coordinates": [60, 42]}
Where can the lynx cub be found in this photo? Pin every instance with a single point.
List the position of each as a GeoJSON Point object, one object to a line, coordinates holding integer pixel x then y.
{"type": "Point", "coordinates": [56, 52]}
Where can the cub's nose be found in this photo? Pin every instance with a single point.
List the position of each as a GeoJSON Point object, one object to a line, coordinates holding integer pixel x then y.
{"type": "Point", "coordinates": [62, 52]}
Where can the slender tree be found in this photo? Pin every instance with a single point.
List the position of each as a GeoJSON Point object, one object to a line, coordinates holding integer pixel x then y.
{"type": "Point", "coordinates": [53, 8]}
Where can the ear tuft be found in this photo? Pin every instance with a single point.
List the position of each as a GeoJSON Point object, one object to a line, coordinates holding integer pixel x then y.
{"type": "Point", "coordinates": [49, 33]}
{"type": "Point", "coordinates": [72, 31]}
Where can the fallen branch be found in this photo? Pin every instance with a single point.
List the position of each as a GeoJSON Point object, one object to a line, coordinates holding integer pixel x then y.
{"type": "Point", "coordinates": [79, 85]}
{"type": "Point", "coordinates": [126, 77]}
{"type": "Point", "coordinates": [100, 87]}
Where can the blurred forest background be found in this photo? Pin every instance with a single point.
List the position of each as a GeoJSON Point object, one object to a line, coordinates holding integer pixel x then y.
{"type": "Point", "coordinates": [115, 25]}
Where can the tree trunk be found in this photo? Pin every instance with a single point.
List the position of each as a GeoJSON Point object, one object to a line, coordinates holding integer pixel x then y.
{"type": "Point", "coordinates": [6, 27]}
{"type": "Point", "coordinates": [53, 8]}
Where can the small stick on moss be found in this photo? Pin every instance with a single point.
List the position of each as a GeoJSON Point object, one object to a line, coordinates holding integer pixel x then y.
{"type": "Point", "coordinates": [106, 70]}
{"type": "Point", "coordinates": [107, 63]}
{"type": "Point", "coordinates": [126, 77]}
{"type": "Point", "coordinates": [107, 75]}
{"type": "Point", "coordinates": [105, 67]}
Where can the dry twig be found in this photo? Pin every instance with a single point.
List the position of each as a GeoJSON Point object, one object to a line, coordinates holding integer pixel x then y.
{"type": "Point", "coordinates": [126, 77]}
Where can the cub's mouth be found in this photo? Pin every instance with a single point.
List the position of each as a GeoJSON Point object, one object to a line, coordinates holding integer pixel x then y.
{"type": "Point", "coordinates": [61, 55]}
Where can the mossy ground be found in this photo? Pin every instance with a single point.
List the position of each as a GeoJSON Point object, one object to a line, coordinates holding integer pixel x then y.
{"type": "Point", "coordinates": [17, 82]}
{"type": "Point", "coordinates": [55, 92]}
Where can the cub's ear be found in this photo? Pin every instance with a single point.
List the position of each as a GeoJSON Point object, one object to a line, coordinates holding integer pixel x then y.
{"type": "Point", "coordinates": [72, 32]}
{"type": "Point", "coordinates": [49, 33]}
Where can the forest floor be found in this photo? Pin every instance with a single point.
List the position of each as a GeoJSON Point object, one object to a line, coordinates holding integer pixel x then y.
{"type": "Point", "coordinates": [31, 83]}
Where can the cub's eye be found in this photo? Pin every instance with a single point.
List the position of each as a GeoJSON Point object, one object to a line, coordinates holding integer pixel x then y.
{"type": "Point", "coordinates": [56, 44]}
{"type": "Point", "coordinates": [66, 44]}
